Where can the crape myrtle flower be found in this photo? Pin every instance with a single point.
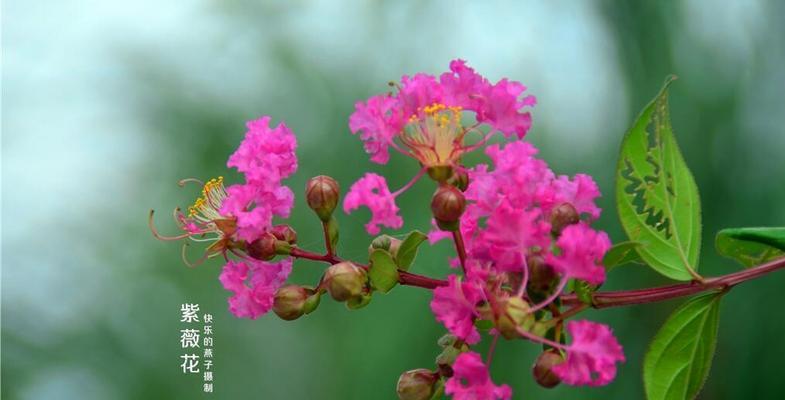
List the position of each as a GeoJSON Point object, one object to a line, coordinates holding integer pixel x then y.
{"type": "Point", "coordinates": [424, 121]}
{"type": "Point", "coordinates": [238, 217]}
{"type": "Point", "coordinates": [592, 355]}
{"type": "Point", "coordinates": [471, 380]}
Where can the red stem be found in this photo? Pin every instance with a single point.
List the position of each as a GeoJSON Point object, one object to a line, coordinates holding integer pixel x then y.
{"type": "Point", "coordinates": [460, 248]}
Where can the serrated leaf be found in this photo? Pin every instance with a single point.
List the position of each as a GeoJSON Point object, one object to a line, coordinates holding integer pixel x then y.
{"type": "Point", "coordinates": [656, 195]}
{"type": "Point", "coordinates": [679, 358]}
{"type": "Point", "coordinates": [622, 253]}
{"type": "Point", "coordinates": [408, 249]}
{"type": "Point", "coordinates": [751, 246]}
{"type": "Point", "coordinates": [382, 272]}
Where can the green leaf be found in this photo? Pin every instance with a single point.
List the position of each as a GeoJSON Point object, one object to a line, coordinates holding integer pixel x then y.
{"type": "Point", "coordinates": [622, 253]}
{"type": "Point", "coordinates": [383, 272]}
{"type": "Point", "coordinates": [679, 358]}
{"type": "Point", "coordinates": [751, 246]}
{"type": "Point", "coordinates": [656, 194]}
{"type": "Point", "coordinates": [408, 249]}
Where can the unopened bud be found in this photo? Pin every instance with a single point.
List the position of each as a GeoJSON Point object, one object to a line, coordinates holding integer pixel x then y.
{"type": "Point", "coordinates": [322, 194]}
{"type": "Point", "coordinates": [459, 179]}
{"type": "Point", "coordinates": [292, 301]}
{"type": "Point", "coordinates": [542, 369]}
{"type": "Point", "coordinates": [345, 281]}
{"type": "Point", "coordinates": [515, 314]}
{"type": "Point", "coordinates": [285, 233]}
{"type": "Point", "coordinates": [385, 242]}
{"type": "Point", "coordinates": [563, 216]}
{"type": "Point", "coordinates": [417, 384]}
{"type": "Point", "coordinates": [263, 248]}
{"type": "Point", "coordinates": [541, 276]}
{"type": "Point", "coordinates": [447, 205]}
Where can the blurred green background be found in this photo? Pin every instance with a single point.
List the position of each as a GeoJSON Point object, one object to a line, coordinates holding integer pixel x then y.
{"type": "Point", "coordinates": [107, 104]}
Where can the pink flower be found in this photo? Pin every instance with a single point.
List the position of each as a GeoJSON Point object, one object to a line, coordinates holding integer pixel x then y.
{"type": "Point", "coordinates": [512, 233]}
{"type": "Point", "coordinates": [255, 207]}
{"type": "Point", "coordinates": [254, 284]}
{"type": "Point", "coordinates": [471, 380]}
{"type": "Point", "coordinates": [379, 123]}
{"type": "Point", "coordinates": [580, 192]}
{"type": "Point", "coordinates": [424, 119]}
{"type": "Point", "coordinates": [454, 306]}
{"type": "Point", "coordinates": [265, 155]}
{"type": "Point", "coordinates": [371, 191]}
{"type": "Point", "coordinates": [582, 250]}
{"type": "Point", "coordinates": [592, 356]}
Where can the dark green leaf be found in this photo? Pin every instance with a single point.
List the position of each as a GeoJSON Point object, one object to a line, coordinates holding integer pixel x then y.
{"type": "Point", "coordinates": [622, 253]}
{"type": "Point", "coordinates": [656, 194]}
{"type": "Point", "coordinates": [383, 272]}
{"type": "Point", "coordinates": [679, 358]}
{"type": "Point", "coordinates": [408, 250]}
{"type": "Point", "coordinates": [751, 246]}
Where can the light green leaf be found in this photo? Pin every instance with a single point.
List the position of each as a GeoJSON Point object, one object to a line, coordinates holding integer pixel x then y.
{"type": "Point", "coordinates": [656, 194]}
{"type": "Point", "coordinates": [622, 253]}
{"type": "Point", "coordinates": [382, 272]}
{"type": "Point", "coordinates": [408, 249]}
{"type": "Point", "coordinates": [751, 246]}
{"type": "Point", "coordinates": [679, 358]}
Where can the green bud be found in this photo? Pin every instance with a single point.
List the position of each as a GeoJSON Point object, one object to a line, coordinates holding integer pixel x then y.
{"type": "Point", "coordinates": [359, 301]}
{"type": "Point", "coordinates": [322, 193]}
{"type": "Point", "coordinates": [447, 206]}
{"type": "Point", "coordinates": [345, 281]}
{"type": "Point", "coordinates": [290, 302]}
{"type": "Point", "coordinates": [417, 384]}
{"type": "Point", "coordinates": [385, 242]}
{"type": "Point", "coordinates": [563, 216]}
{"type": "Point", "coordinates": [542, 369]}
{"type": "Point", "coordinates": [459, 179]}
{"type": "Point", "coordinates": [516, 313]}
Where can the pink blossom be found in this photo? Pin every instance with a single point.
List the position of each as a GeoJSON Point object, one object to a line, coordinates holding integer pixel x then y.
{"type": "Point", "coordinates": [379, 122]}
{"type": "Point", "coordinates": [254, 208]}
{"type": "Point", "coordinates": [463, 86]}
{"type": "Point", "coordinates": [581, 192]}
{"type": "Point", "coordinates": [512, 233]}
{"type": "Point", "coordinates": [371, 191]}
{"type": "Point", "coordinates": [592, 356]}
{"type": "Point", "coordinates": [502, 108]}
{"type": "Point", "coordinates": [417, 92]}
{"type": "Point", "coordinates": [265, 154]}
{"type": "Point", "coordinates": [472, 381]}
{"type": "Point", "coordinates": [253, 284]}
{"type": "Point", "coordinates": [454, 306]}
{"type": "Point", "coordinates": [582, 250]}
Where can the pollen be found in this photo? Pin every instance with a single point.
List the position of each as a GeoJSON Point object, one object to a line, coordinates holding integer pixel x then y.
{"type": "Point", "coordinates": [209, 204]}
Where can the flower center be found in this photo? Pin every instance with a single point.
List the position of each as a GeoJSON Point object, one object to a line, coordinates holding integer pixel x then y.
{"type": "Point", "coordinates": [207, 207]}
{"type": "Point", "coordinates": [435, 135]}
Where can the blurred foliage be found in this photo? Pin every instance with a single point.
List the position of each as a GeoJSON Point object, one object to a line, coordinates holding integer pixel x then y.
{"type": "Point", "coordinates": [94, 313]}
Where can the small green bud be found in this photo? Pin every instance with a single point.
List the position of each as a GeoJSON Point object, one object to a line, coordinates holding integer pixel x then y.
{"type": "Point", "coordinates": [345, 281]}
{"type": "Point", "coordinates": [385, 242]}
{"type": "Point", "coordinates": [459, 179]}
{"type": "Point", "coordinates": [359, 301]}
{"type": "Point", "coordinates": [542, 369]}
{"type": "Point", "coordinates": [516, 313]}
{"type": "Point", "coordinates": [322, 194]}
{"type": "Point", "coordinates": [285, 233]}
{"type": "Point", "coordinates": [290, 301]}
{"type": "Point", "coordinates": [417, 384]}
{"type": "Point", "coordinates": [263, 248]}
{"type": "Point", "coordinates": [563, 216]}
{"type": "Point", "coordinates": [447, 205]}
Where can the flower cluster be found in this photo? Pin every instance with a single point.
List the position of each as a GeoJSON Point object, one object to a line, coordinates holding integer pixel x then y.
{"type": "Point", "coordinates": [522, 234]}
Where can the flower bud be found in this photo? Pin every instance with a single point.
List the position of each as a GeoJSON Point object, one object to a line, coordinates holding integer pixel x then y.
{"type": "Point", "coordinates": [262, 248]}
{"type": "Point", "coordinates": [542, 368]}
{"type": "Point", "coordinates": [516, 312]}
{"type": "Point", "coordinates": [385, 242]}
{"type": "Point", "coordinates": [459, 179]}
{"type": "Point", "coordinates": [563, 216]}
{"type": "Point", "coordinates": [447, 205]}
{"type": "Point", "coordinates": [290, 301]}
{"type": "Point", "coordinates": [345, 281]}
{"type": "Point", "coordinates": [322, 193]}
{"type": "Point", "coordinates": [417, 384]}
{"type": "Point", "coordinates": [285, 233]}
{"type": "Point", "coordinates": [541, 276]}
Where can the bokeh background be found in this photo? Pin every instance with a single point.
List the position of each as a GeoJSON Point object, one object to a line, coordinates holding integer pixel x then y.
{"type": "Point", "coordinates": [107, 104]}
